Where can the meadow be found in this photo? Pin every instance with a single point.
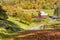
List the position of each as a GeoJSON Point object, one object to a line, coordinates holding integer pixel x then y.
{"type": "Point", "coordinates": [26, 27]}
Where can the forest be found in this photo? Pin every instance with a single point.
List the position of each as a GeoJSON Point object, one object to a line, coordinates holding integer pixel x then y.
{"type": "Point", "coordinates": [30, 4]}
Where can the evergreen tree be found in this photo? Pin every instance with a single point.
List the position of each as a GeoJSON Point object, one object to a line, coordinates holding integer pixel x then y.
{"type": "Point", "coordinates": [3, 14]}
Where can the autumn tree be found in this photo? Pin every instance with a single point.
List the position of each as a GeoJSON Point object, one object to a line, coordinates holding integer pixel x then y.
{"type": "Point", "coordinates": [22, 16]}
{"type": "Point", "coordinates": [28, 4]}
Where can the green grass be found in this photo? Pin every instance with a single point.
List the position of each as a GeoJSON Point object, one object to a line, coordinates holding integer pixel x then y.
{"type": "Point", "coordinates": [24, 26]}
{"type": "Point", "coordinates": [50, 12]}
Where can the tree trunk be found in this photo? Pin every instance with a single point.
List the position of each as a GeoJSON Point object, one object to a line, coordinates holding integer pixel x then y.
{"type": "Point", "coordinates": [57, 9]}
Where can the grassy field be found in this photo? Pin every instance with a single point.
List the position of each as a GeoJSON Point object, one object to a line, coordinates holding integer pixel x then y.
{"type": "Point", "coordinates": [50, 12]}
{"type": "Point", "coordinates": [26, 27]}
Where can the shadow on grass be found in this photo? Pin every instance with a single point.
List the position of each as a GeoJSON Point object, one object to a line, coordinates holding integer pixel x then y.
{"type": "Point", "coordinates": [8, 25]}
{"type": "Point", "coordinates": [24, 22]}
